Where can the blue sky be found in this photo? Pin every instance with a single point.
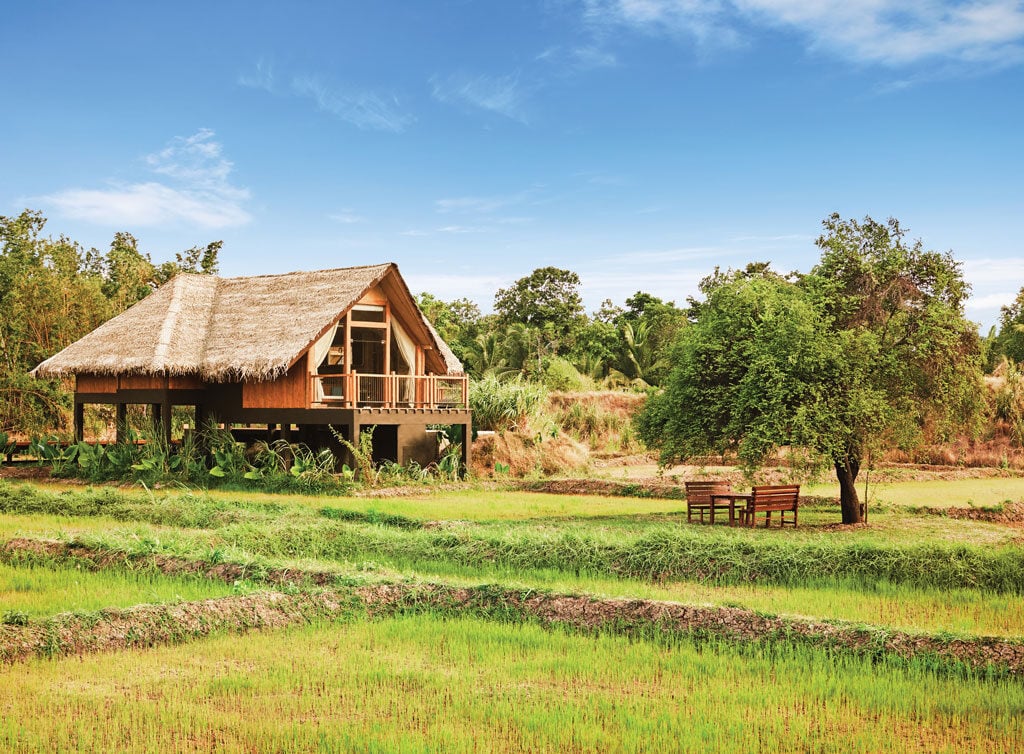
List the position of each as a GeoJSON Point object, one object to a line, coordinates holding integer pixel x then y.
{"type": "Point", "coordinates": [637, 142]}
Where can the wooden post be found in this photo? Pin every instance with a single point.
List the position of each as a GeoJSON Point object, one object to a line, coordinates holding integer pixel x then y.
{"type": "Point", "coordinates": [121, 422]}
{"type": "Point", "coordinates": [199, 431]}
{"type": "Point", "coordinates": [79, 421]}
{"type": "Point", "coordinates": [168, 415]}
{"type": "Point", "coordinates": [467, 447]}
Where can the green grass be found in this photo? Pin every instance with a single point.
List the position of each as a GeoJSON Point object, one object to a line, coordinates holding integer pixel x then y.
{"type": "Point", "coordinates": [43, 590]}
{"type": "Point", "coordinates": [964, 493]}
{"type": "Point", "coordinates": [423, 684]}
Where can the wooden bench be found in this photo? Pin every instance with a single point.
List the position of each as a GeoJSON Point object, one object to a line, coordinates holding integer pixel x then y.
{"type": "Point", "coordinates": [698, 498]}
{"type": "Point", "coordinates": [766, 499]}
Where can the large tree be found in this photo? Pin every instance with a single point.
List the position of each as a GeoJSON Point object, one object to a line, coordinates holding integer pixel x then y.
{"type": "Point", "coordinates": [871, 346]}
{"type": "Point", "coordinates": [547, 297]}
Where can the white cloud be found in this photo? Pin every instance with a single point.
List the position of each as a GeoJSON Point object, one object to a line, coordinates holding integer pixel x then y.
{"type": "Point", "coordinates": [887, 32]}
{"type": "Point", "coordinates": [991, 301]}
{"type": "Point", "coordinates": [499, 94]}
{"type": "Point", "coordinates": [198, 192]}
{"type": "Point", "coordinates": [982, 271]}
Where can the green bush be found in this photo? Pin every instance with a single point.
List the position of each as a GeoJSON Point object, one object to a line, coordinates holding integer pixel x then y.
{"type": "Point", "coordinates": [559, 374]}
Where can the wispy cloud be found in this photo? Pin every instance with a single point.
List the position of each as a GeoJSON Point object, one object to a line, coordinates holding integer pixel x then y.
{"type": "Point", "coordinates": [633, 259]}
{"type": "Point", "coordinates": [478, 288]}
{"type": "Point", "coordinates": [260, 77]}
{"type": "Point", "coordinates": [199, 191]}
{"type": "Point", "coordinates": [363, 109]}
{"type": "Point", "coordinates": [473, 204]}
{"type": "Point", "coordinates": [346, 217]}
{"type": "Point", "coordinates": [460, 229]}
{"type": "Point", "coordinates": [586, 57]}
{"type": "Point", "coordinates": [504, 95]}
{"type": "Point", "coordinates": [886, 32]}
{"type": "Point", "coordinates": [898, 32]}
{"type": "Point", "coordinates": [709, 23]}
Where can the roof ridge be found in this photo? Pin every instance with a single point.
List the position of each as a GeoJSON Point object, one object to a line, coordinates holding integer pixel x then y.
{"type": "Point", "coordinates": [309, 272]}
{"type": "Point", "coordinates": [163, 340]}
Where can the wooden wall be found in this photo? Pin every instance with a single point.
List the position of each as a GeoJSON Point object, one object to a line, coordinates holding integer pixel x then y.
{"type": "Point", "coordinates": [95, 383]}
{"type": "Point", "coordinates": [290, 391]}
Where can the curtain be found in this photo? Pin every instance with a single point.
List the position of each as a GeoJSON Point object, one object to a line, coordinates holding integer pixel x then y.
{"type": "Point", "coordinates": [319, 352]}
{"type": "Point", "coordinates": [407, 391]}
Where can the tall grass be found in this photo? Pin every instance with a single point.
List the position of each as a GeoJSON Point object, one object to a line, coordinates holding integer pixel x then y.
{"type": "Point", "coordinates": [504, 404]}
{"type": "Point", "coordinates": [423, 684]}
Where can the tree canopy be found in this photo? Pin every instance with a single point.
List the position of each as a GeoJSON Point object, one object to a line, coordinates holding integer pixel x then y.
{"type": "Point", "coordinates": [871, 345]}
{"type": "Point", "coordinates": [53, 292]}
{"type": "Point", "coordinates": [547, 297]}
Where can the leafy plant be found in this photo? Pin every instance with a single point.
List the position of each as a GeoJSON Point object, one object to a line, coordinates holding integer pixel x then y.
{"type": "Point", "coordinates": [362, 456]}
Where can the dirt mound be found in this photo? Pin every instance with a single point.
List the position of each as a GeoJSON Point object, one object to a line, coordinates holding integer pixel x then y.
{"type": "Point", "coordinates": [1010, 513]}
{"type": "Point", "coordinates": [525, 455]}
{"type": "Point", "coordinates": [24, 471]}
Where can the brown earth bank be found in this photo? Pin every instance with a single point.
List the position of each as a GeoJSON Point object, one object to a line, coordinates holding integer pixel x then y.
{"type": "Point", "coordinates": [151, 625]}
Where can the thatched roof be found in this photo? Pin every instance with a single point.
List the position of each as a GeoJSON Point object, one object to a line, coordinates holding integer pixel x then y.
{"type": "Point", "coordinates": [249, 328]}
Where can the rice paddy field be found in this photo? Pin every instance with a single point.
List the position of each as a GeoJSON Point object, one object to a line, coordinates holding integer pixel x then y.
{"type": "Point", "coordinates": [444, 677]}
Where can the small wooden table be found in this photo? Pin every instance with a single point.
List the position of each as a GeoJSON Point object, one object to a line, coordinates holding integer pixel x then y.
{"type": "Point", "coordinates": [731, 498]}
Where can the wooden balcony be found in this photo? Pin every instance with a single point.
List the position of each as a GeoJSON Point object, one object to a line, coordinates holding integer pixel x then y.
{"type": "Point", "coordinates": [389, 391]}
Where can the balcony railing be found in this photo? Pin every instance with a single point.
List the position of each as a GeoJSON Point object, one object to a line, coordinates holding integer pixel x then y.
{"type": "Point", "coordinates": [390, 390]}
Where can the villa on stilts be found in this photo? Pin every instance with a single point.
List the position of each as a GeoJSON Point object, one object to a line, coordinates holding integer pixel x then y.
{"type": "Point", "coordinates": [290, 356]}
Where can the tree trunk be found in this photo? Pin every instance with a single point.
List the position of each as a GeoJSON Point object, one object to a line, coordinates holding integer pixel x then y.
{"type": "Point", "coordinates": [846, 472]}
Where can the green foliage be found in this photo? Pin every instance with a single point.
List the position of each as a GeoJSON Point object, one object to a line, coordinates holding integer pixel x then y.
{"type": "Point", "coordinates": [501, 405]}
{"type": "Point", "coordinates": [362, 455]}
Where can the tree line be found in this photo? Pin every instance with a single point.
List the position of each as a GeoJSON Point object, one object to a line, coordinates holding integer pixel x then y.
{"type": "Point", "coordinates": [869, 349]}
